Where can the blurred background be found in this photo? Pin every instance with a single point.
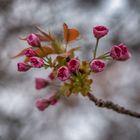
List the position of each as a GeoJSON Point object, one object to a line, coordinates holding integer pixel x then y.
{"type": "Point", "coordinates": [76, 118]}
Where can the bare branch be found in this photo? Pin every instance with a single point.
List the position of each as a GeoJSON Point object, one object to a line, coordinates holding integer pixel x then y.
{"type": "Point", "coordinates": [111, 105]}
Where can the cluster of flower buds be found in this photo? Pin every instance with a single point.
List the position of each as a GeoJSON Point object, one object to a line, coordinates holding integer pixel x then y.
{"type": "Point", "coordinates": [120, 52]}
{"type": "Point", "coordinates": [64, 72]}
{"type": "Point", "coordinates": [33, 59]}
{"type": "Point", "coordinates": [66, 67]}
{"type": "Point", "coordinates": [43, 103]}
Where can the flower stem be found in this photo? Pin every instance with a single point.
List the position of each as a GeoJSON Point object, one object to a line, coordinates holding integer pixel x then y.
{"type": "Point", "coordinates": [95, 50]}
{"type": "Point", "coordinates": [66, 45]}
{"type": "Point", "coordinates": [104, 55]}
{"type": "Point", "coordinates": [45, 60]}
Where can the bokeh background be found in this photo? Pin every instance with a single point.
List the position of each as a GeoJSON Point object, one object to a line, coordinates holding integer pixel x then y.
{"type": "Point", "coordinates": [76, 118]}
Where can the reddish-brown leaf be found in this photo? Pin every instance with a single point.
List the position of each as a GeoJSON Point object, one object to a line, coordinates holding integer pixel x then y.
{"type": "Point", "coordinates": [41, 52]}
{"type": "Point", "coordinates": [42, 38]}
{"type": "Point", "coordinates": [47, 36]}
{"type": "Point", "coordinates": [70, 34]}
{"type": "Point", "coordinates": [21, 53]}
{"type": "Point", "coordinates": [69, 53]}
{"type": "Point", "coordinates": [44, 51]}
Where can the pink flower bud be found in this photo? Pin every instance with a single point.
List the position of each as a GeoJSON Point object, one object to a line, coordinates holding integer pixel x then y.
{"type": "Point", "coordinates": [120, 52]}
{"type": "Point", "coordinates": [53, 100]}
{"type": "Point", "coordinates": [22, 66]}
{"type": "Point", "coordinates": [30, 53]}
{"type": "Point", "coordinates": [42, 104]}
{"type": "Point", "coordinates": [51, 76]}
{"type": "Point", "coordinates": [36, 62]}
{"type": "Point", "coordinates": [40, 83]}
{"type": "Point", "coordinates": [63, 73]}
{"type": "Point", "coordinates": [33, 40]}
{"type": "Point", "coordinates": [100, 31]}
{"type": "Point", "coordinates": [97, 65]}
{"type": "Point", "coordinates": [73, 64]}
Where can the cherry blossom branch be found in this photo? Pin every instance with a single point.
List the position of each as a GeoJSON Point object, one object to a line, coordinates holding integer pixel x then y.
{"type": "Point", "coordinates": [68, 68]}
{"type": "Point", "coordinates": [110, 105]}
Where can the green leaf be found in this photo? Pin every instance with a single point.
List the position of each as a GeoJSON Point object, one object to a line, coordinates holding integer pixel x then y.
{"type": "Point", "coordinates": [65, 89]}
{"type": "Point", "coordinates": [46, 66]}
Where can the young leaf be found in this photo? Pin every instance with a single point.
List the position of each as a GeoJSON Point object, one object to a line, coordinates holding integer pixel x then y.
{"type": "Point", "coordinates": [46, 66]}
{"type": "Point", "coordinates": [70, 34]}
{"type": "Point", "coordinates": [61, 60]}
{"type": "Point", "coordinates": [26, 59]}
{"type": "Point", "coordinates": [21, 53]}
{"type": "Point", "coordinates": [42, 38]}
{"type": "Point", "coordinates": [74, 49]}
{"type": "Point", "coordinates": [57, 47]}
{"type": "Point", "coordinates": [69, 53]}
{"type": "Point", "coordinates": [47, 36]}
{"type": "Point", "coordinates": [44, 51]}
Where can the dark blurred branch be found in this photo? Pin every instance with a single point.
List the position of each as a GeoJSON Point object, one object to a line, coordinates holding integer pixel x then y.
{"type": "Point", "coordinates": [111, 105]}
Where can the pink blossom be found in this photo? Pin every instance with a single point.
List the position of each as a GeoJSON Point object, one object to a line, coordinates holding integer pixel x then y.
{"type": "Point", "coordinates": [51, 76]}
{"type": "Point", "coordinates": [100, 31]}
{"type": "Point", "coordinates": [30, 53]}
{"type": "Point", "coordinates": [36, 62]}
{"type": "Point", "coordinates": [73, 64]}
{"type": "Point", "coordinates": [42, 104]}
{"type": "Point", "coordinates": [120, 52]}
{"type": "Point", "coordinates": [40, 83]}
{"type": "Point", "coordinates": [97, 65]}
{"type": "Point", "coordinates": [53, 100]}
{"type": "Point", "coordinates": [33, 40]}
{"type": "Point", "coordinates": [63, 73]}
{"type": "Point", "coordinates": [22, 66]}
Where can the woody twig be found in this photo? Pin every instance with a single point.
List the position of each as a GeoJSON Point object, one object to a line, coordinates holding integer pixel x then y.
{"type": "Point", "coordinates": [110, 105]}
